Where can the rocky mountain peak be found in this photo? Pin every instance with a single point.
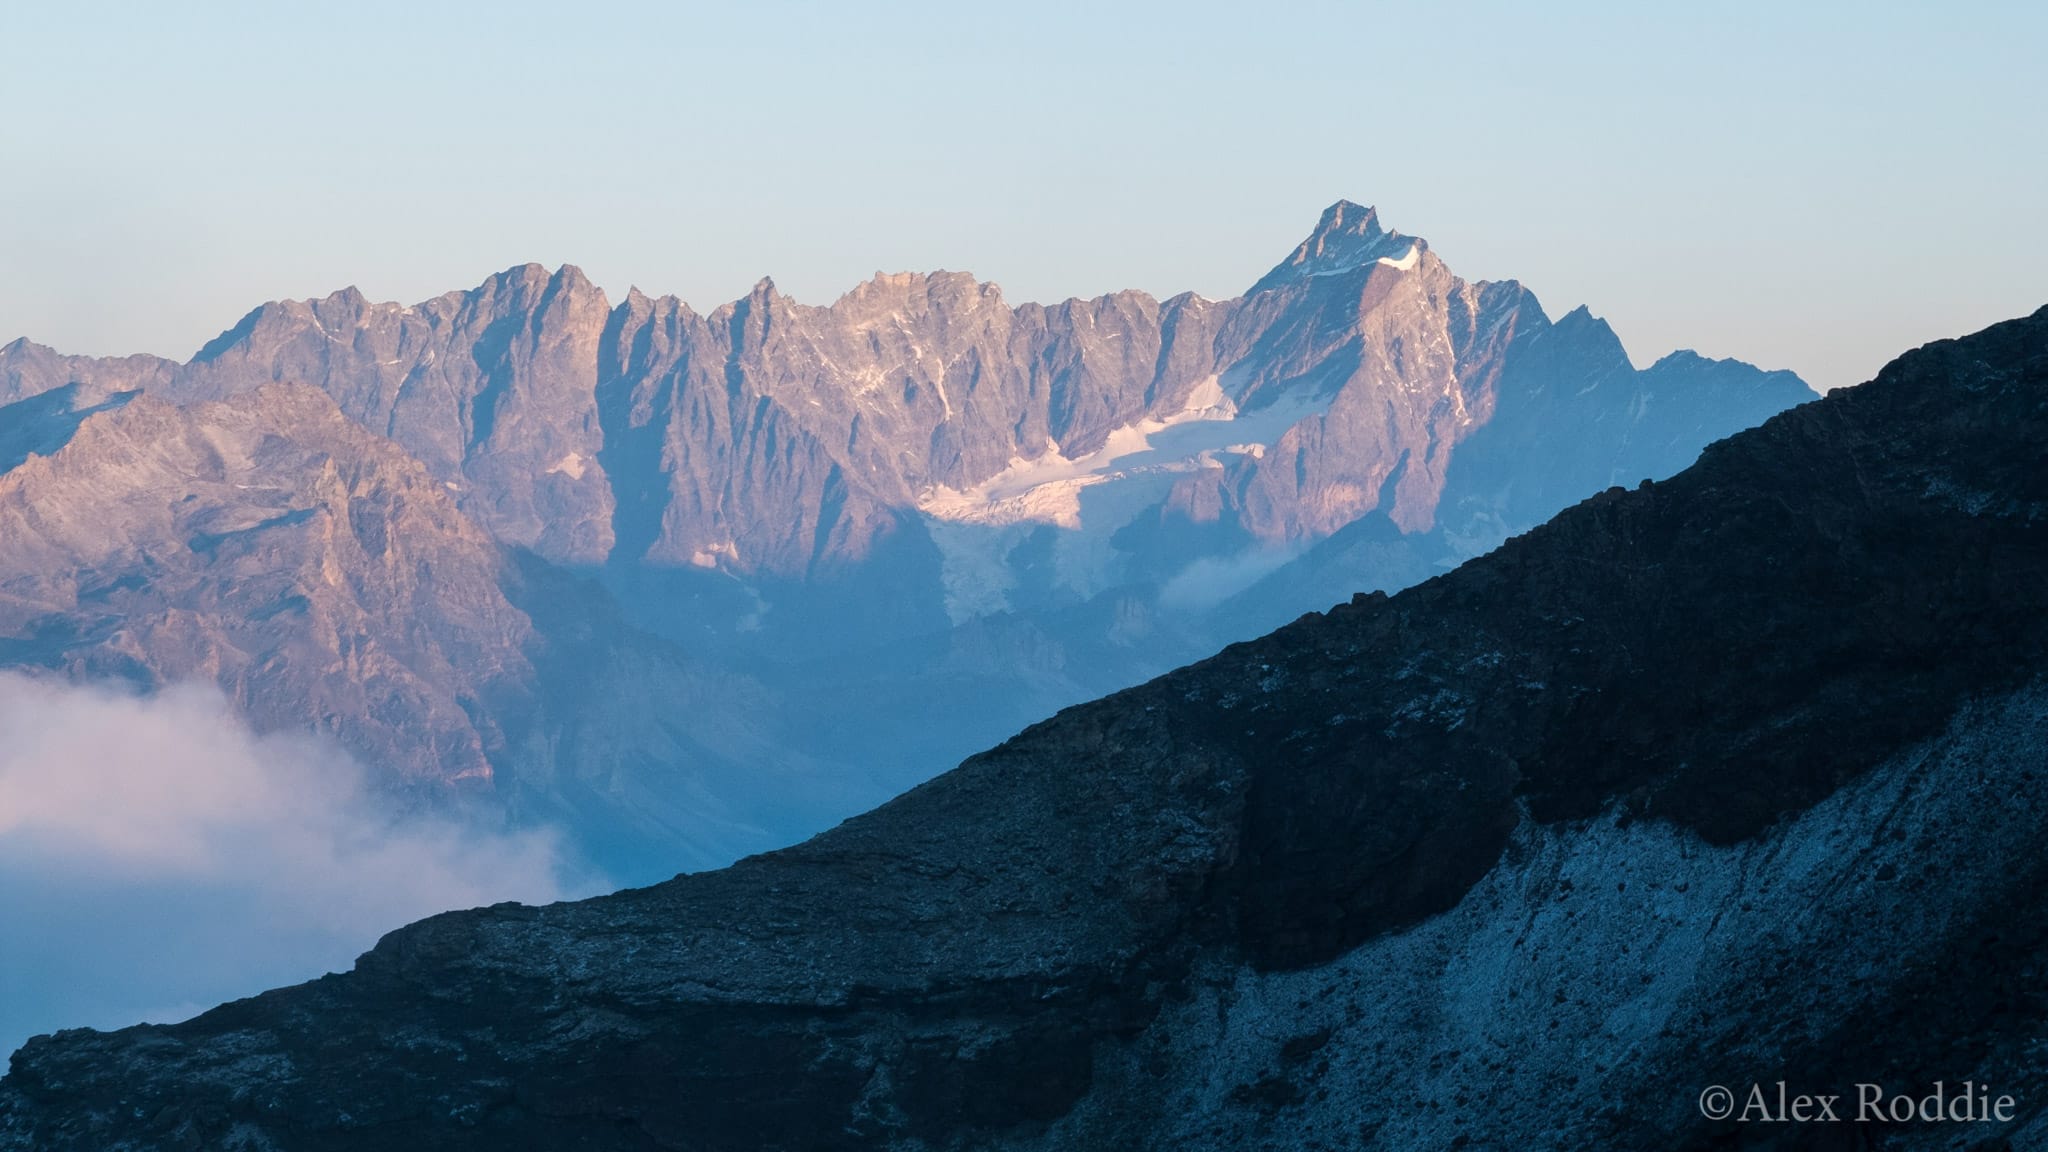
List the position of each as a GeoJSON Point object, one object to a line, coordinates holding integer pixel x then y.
{"type": "Point", "coordinates": [571, 275]}
{"type": "Point", "coordinates": [1581, 324]}
{"type": "Point", "coordinates": [919, 290]}
{"type": "Point", "coordinates": [528, 273]}
{"type": "Point", "coordinates": [1348, 236]}
{"type": "Point", "coordinates": [27, 368]}
{"type": "Point", "coordinates": [350, 297]}
{"type": "Point", "coordinates": [1347, 218]}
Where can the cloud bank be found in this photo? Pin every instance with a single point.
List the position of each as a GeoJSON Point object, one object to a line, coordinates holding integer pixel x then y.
{"type": "Point", "coordinates": [157, 857]}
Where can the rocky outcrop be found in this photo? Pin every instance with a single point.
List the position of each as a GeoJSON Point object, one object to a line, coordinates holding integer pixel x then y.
{"type": "Point", "coordinates": [28, 369]}
{"type": "Point", "coordinates": [1729, 778]}
{"type": "Point", "coordinates": [316, 572]}
{"type": "Point", "coordinates": [492, 389]}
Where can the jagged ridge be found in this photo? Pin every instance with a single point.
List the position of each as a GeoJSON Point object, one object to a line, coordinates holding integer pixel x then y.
{"type": "Point", "coordinates": [840, 547]}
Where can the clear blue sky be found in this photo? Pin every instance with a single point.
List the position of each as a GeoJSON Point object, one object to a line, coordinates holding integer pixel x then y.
{"type": "Point", "coordinates": [1810, 186]}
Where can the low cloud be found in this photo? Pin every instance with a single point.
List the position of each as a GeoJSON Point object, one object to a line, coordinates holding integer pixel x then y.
{"type": "Point", "coordinates": [1213, 579]}
{"type": "Point", "coordinates": [157, 857]}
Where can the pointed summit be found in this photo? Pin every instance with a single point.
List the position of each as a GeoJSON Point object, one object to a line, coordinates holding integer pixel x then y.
{"type": "Point", "coordinates": [1347, 217]}
{"type": "Point", "coordinates": [1348, 236]}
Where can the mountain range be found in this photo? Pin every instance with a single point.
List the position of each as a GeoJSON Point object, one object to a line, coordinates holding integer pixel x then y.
{"type": "Point", "coordinates": [698, 584]}
{"type": "Point", "coordinates": [1728, 779]}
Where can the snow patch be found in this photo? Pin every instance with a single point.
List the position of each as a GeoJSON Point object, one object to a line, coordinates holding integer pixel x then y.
{"type": "Point", "coordinates": [1403, 263]}
{"type": "Point", "coordinates": [974, 567]}
{"type": "Point", "coordinates": [977, 528]}
{"type": "Point", "coordinates": [708, 557]}
{"type": "Point", "coordinates": [570, 466]}
{"type": "Point", "coordinates": [1046, 489]}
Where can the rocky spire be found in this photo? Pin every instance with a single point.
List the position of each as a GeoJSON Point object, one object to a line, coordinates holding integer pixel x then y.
{"type": "Point", "coordinates": [1348, 236]}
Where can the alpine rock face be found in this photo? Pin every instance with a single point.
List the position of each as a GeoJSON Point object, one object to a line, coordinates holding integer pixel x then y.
{"type": "Point", "coordinates": [1730, 778]}
{"type": "Point", "coordinates": [807, 556]}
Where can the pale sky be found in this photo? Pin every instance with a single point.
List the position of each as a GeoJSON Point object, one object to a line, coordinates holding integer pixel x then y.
{"type": "Point", "coordinates": [1813, 186]}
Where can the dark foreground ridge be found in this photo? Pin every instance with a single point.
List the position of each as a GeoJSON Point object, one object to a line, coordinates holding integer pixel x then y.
{"type": "Point", "coordinates": [1731, 778]}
